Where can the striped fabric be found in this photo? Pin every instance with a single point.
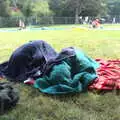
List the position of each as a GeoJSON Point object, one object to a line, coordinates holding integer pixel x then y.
{"type": "Point", "coordinates": [108, 75]}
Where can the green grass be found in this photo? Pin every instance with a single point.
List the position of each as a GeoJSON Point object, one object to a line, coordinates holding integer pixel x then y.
{"type": "Point", "coordinates": [34, 105]}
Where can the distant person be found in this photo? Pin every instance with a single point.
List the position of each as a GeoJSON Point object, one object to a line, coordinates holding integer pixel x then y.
{"type": "Point", "coordinates": [96, 23]}
{"type": "Point", "coordinates": [113, 21]}
{"type": "Point", "coordinates": [21, 25]}
{"type": "Point", "coordinates": [86, 20]}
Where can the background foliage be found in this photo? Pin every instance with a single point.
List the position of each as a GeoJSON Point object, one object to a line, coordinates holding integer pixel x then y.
{"type": "Point", "coordinates": [24, 9]}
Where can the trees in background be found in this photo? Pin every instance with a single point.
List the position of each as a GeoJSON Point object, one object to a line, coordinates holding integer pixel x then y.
{"type": "Point", "coordinates": [52, 7]}
{"type": "Point", "coordinates": [41, 8]}
{"type": "Point", "coordinates": [76, 8]}
{"type": "Point", "coordinates": [59, 8]}
{"type": "Point", "coordinates": [4, 8]}
{"type": "Point", "coordinates": [113, 7]}
{"type": "Point", "coordinates": [32, 7]}
{"type": "Point", "coordinates": [86, 8]}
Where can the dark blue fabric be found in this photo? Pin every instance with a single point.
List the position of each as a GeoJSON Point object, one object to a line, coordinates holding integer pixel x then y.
{"type": "Point", "coordinates": [27, 60]}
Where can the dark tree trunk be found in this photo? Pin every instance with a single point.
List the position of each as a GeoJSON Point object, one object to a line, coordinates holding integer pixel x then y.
{"type": "Point", "coordinates": [77, 15]}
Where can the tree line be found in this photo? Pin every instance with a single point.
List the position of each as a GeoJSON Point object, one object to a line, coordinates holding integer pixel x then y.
{"type": "Point", "coordinates": [59, 8]}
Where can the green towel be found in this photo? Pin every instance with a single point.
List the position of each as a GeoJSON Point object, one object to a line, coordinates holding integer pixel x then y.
{"type": "Point", "coordinates": [72, 74]}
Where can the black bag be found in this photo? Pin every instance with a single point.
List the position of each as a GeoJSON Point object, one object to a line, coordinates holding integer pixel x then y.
{"type": "Point", "coordinates": [9, 96]}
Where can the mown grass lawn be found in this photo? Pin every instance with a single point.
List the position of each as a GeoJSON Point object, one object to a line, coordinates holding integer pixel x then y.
{"type": "Point", "coordinates": [34, 105]}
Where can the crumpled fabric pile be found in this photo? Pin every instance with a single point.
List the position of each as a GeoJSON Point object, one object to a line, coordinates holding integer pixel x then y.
{"type": "Point", "coordinates": [57, 73]}
{"type": "Point", "coordinates": [108, 75]}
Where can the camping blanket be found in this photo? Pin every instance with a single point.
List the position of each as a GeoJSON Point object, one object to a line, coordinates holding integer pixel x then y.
{"type": "Point", "coordinates": [108, 75]}
{"type": "Point", "coordinates": [67, 73]}
{"type": "Point", "coordinates": [27, 60]}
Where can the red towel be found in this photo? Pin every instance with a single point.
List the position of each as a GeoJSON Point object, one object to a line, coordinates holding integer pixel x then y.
{"type": "Point", "coordinates": [108, 75]}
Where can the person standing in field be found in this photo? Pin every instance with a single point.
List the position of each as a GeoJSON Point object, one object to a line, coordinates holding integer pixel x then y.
{"type": "Point", "coordinates": [21, 24]}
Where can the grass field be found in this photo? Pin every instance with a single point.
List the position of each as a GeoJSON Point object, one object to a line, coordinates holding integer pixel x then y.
{"type": "Point", "coordinates": [34, 105]}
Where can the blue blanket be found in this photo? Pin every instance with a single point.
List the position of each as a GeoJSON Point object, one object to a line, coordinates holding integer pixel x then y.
{"type": "Point", "coordinates": [26, 60]}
